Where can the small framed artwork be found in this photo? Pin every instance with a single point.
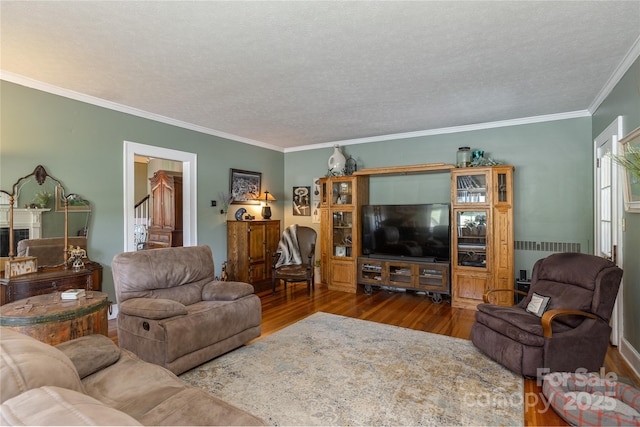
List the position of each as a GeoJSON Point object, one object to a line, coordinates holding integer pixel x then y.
{"type": "Point", "coordinates": [315, 214]}
{"type": "Point", "coordinates": [302, 201]}
{"type": "Point", "coordinates": [341, 251]}
{"type": "Point", "coordinates": [76, 203]}
{"type": "Point", "coordinates": [244, 187]}
{"type": "Point", "coordinates": [631, 144]}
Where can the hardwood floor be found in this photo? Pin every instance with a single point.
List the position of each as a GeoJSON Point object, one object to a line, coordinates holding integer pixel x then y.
{"type": "Point", "coordinates": [406, 310]}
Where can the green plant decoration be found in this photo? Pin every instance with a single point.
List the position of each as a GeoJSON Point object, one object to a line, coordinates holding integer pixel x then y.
{"type": "Point", "coordinates": [630, 160]}
{"type": "Point", "coordinates": [42, 198]}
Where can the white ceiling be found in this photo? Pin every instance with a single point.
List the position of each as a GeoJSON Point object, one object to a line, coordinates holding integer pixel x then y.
{"type": "Point", "coordinates": [287, 74]}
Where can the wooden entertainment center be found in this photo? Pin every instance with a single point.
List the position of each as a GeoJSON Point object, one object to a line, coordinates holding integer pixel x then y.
{"type": "Point", "coordinates": [481, 236]}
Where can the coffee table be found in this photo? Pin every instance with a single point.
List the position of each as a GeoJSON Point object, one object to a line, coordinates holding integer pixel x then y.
{"type": "Point", "coordinates": [53, 320]}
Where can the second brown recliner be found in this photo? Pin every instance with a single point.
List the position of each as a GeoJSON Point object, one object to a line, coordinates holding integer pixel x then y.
{"type": "Point", "coordinates": [562, 324]}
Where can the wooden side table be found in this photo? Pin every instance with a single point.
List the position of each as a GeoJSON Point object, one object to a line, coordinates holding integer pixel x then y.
{"type": "Point", "coordinates": [52, 320]}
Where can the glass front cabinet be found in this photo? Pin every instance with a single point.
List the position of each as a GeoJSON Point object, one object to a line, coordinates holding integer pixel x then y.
{"type": "Point", "coordinates": [340, 200]}
{"type": "Point", "coordinates": [482, 234]}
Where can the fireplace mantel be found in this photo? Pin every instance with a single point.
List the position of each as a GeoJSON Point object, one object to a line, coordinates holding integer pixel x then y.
{"type": "Point", "coordinates": [30, 219]}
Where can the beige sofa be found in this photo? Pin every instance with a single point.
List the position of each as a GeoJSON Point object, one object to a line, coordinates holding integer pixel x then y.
{"type": "Point", "coordinates": [90, 381]}
{"type": "Point", "coordinates": [172, 312]}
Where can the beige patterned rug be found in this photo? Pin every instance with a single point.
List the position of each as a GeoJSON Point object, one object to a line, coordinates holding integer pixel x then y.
{"type": "Point", "coordinates": [335, 370]}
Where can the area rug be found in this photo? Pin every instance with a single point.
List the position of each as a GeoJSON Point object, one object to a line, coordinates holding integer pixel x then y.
{"type": "Point", "coordinates": [334, 370]}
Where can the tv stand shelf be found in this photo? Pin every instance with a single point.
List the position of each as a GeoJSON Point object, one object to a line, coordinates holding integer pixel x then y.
{"type": "Point", "coordinates": [430, 277]}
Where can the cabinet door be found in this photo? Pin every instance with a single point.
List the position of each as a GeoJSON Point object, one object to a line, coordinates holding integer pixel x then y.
{"type": "Point", "coordinates": [342, 191]}
{"type": "Point", "coordinates": [371, 271]}
{"type": "Point", "coordinates": [257, 243]}
{"type": "Point", "coordinates": [257, 251]}
{"type": "Point", "coordinates": [325, 243]}
{"type": "Point", "coordinates": [502, 181]}
{"type": "Point", "coordinates": [400, 274]}
{"type": "Point", "coordinates": [272, 238]}
{"type": "Point", "coordinates": [162, 194]}
{"type": "Point", "coordinates": [237, 250]}
{"type": "Point", "coordinates": [503, 271]}
{"type": "Point", "coordinates": [433, 277]}
{"type": "Point", "coordinates": [342, 233]}
{"type": "Point", "coordinates": [342, 276]}
{"type": "Point", "coordinates": [470, 186]}
{"type": "Point", "coordinates": [468, 289]}
{"type": "Point", "coordinates": [471, 246]}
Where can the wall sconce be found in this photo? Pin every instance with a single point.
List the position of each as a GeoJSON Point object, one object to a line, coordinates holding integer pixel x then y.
{"type": "Point", "coordinates": [266, 209]}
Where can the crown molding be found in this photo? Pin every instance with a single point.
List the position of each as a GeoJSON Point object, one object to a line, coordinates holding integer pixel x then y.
{"type": "Point", "coordinates": [66, 93]}
{"type": "Point", "coordinates": [620, 71]}
{"type": "Point", "coordinates": [442, 131]}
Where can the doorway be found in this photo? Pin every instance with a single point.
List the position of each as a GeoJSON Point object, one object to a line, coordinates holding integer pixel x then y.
{"type": "Point", "coordinates": [189, 196]}
{"type": "Point", "coordinates": [608, 210]}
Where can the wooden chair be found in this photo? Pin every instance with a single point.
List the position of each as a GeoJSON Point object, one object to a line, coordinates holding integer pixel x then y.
{"type": "Point", "coordinates": [296, 272]}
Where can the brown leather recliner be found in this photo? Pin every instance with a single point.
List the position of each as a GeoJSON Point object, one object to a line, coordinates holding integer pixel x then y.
{"type": "Point", "coordinates": [572, 333]}
{"type": "Point", "coordinates": [298, 267]}
{"type": "Point", "coordinates": [174, 313]}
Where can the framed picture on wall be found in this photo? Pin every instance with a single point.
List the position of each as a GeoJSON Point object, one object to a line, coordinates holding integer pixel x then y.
{"type": "Point", "coordinates": [630, 148]}
{"type": "Point", "coordinates": [244, 187]}
{"type": "Point", "coordinates": [302, 201]}
{"type": "Point", "coordinates": [76, 203]}
{"type": "Point", "coordinates": [315, 209]}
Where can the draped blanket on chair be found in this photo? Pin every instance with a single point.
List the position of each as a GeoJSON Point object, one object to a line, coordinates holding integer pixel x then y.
{"type": "Point", "coordinates": [288, 247]}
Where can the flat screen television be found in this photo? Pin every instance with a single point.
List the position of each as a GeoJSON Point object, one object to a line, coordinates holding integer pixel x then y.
{"type": "Point", "coordinates": [417, 232]}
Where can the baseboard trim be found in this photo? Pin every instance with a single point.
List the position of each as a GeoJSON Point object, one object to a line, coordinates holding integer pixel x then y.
{"type": "Point", "coordinates": [630, 355]}
{"type": "Point", "coordinates": [114, 312]}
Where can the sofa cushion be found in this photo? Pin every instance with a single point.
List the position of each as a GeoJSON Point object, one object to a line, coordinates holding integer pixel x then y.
{"type": "Point", "coordinates": [59, 406]}
{"type": "Point", "coordinates": [90, 353]}
{"type": "Point", "coordinates": [191, 406]}
{"type": "Point", "coordinates": [152, 308]}
{"type": "Point", "coordinates": [226, 291]}
{"type": "Point", "coordinates": [154, 396]}
{"type": "Point", "coordinates": [28, 363]}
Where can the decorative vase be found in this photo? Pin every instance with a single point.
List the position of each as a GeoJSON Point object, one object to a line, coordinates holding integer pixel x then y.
{"type": "Point", "coordinates": [337, 161]}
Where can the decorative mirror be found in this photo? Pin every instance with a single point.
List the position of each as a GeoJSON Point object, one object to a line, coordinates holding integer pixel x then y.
{"type": "Point", "coordinates": [38, 209]}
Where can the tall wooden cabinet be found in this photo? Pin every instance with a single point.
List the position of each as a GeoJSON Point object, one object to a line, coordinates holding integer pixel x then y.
{"type": "Point", "coordinates": [482, 234]}
{"type": "Point", "coordinates": [165, 229]}
{"type": "Point", "coordinates": [250, 245]}
{"type": "Point", "coordinates": [340, 200]}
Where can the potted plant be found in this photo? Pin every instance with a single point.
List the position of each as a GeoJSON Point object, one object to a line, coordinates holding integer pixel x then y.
{"type": "Point", "coordinates": [42, 199]}
{"type": "Point", "coordinates": [630, 160]}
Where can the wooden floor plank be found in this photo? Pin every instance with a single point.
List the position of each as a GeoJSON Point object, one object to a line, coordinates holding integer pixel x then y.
{"type": "Point", "coordinates": [407, 310]}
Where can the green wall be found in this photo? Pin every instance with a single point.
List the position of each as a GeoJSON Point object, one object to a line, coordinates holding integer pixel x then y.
{"type": "Point", "coordinates": [82, 146]}
{"type": "Point", "coordinates": [624, 100]}
{"type": "Point", "coordinates": [553, 197]}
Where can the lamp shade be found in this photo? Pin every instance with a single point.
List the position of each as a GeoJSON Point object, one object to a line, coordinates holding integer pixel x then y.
{"type": "Point", "coordinates": [267, 197]}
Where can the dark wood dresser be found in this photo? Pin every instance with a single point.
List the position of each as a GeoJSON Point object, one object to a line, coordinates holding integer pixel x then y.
{"type": "Point", "coordinates": [51, 280]}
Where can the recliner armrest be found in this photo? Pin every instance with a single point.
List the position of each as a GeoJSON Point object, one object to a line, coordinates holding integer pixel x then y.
{"type": "Point", "coordinates": [90, 353]}
{"type": "Point", "coordinates": [226, 291]}
{"type": "Point", "coordinates": [549, 315]}
{"type": "Point", "coordinates": [152, 308]}
{"type": "Point", "coordinates": [487, 294]}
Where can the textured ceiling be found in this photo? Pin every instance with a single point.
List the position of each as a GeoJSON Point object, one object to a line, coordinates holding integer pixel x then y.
{"type": "Point", "coordinates": [287, 74]}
